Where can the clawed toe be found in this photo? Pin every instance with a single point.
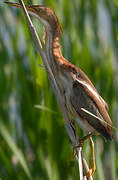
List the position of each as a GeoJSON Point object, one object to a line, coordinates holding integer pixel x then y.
{"type": "Point", "coordinates": [90, 173]}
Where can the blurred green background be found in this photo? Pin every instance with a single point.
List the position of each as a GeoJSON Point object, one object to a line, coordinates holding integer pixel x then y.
{"type": "Point", "coordinates": [33, 141]}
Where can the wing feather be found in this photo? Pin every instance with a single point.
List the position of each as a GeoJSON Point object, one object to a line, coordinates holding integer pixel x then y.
{"type": "Point", "coordinates": [84, 96]}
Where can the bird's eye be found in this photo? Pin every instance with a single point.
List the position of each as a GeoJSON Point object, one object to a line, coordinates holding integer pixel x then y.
{"type": "Point", "coordinates": [77, 75]}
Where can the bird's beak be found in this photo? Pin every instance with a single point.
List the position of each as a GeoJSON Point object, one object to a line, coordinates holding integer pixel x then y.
{"type": "Point", "coordinates": [28, 7]}
{"type": "Point", "coordinates": [13, 4]}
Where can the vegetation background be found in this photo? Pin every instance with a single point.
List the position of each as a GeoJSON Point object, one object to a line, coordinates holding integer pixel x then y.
{"type": "Point", "coordinates": [33, 140]}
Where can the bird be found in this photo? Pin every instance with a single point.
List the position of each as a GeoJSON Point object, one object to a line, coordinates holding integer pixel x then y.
{"type": "Point", "coordinates": [80, 95]}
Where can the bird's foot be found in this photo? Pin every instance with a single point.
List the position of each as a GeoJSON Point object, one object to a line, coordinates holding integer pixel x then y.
{"type": "Point", "coordinates": [81, 142]}
{"type": "Point", "coordinates": [90, 172]}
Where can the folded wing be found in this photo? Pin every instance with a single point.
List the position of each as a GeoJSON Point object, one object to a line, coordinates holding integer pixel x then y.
{"type": "Point", "coordinates": [85, 96]}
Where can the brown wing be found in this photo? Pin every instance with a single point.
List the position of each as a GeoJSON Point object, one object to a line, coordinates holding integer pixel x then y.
{"type": "Point", "coordinates": [84, 96]}
{"type": "Point", "coordinates": [84, 77]}
{"type": "Point", "coordinates": [104, 103]}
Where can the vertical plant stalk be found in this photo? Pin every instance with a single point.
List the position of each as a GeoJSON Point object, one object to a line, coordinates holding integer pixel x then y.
{"type": "Point", "coordinates": [71, 130]}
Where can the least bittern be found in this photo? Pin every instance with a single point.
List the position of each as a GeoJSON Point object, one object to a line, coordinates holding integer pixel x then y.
{"type": "Point", "coordinates": [76, 88]}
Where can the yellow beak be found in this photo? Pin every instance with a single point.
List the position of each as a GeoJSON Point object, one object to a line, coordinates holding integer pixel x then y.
{"type": "Point", "coordinates": [13, 4]}
{"type": "Point", "coordinates": [28, 7]}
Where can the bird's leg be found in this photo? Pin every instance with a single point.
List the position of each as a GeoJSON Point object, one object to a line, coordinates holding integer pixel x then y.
{"type": "Point", "coordinates": [81, 141]}
{"type": "Point", "coordinates": [92, 170]}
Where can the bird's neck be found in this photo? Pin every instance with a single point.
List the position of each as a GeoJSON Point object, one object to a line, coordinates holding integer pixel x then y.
{"type": "Point", "coordinates": [53, 50]}
{"type": "Point", "coordinates": [56, 49]}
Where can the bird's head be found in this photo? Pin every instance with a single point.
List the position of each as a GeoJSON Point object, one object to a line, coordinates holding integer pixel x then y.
{"type": "Point", "coordinates": [45, 14]}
